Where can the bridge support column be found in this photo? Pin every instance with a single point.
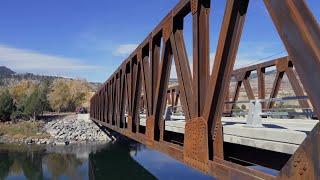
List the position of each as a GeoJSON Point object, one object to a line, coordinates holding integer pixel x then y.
{"type": "Point", "coordinates": [196, 144]}
{"type": "Point", "coordinates": [130, 124]}
{"type": "Point", "coordinates": [150, 131]}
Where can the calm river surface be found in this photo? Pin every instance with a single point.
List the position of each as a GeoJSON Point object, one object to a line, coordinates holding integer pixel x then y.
{"type": "Point", "coordinates": [120, 160]}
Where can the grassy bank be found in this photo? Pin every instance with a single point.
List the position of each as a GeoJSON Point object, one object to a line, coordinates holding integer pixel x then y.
{"type": "Point", "coordinates": [23, 130]}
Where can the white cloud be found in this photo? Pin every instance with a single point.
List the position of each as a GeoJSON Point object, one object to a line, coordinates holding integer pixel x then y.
{"type": "Point", "coordinates": [254, 53]}
{"type": "Point", "coordinates": [24, 60]}
{"type": "Point", "coordinates": [249, 54]}
{"type": "Point", "coordinates": [124, 49]}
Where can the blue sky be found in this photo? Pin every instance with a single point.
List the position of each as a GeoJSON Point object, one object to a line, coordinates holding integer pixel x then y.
{"type": "Point", "coordinates": [90, 38]}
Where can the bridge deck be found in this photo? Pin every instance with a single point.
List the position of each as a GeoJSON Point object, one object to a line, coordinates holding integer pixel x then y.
{"type": "Point", "coordinates": [279, 135]}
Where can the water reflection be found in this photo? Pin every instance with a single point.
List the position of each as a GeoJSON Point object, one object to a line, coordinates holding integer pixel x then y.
{"type": "Point", "coordinates": [122, 160]}
{"type": "Point", "coordinates": [16, 163]}
{"type": "Point", "coordinates": [116, 162]}
{"type": "Point", "coordinates": [59, 165]}
{"type": "Point", "coordinates": [33, 162]}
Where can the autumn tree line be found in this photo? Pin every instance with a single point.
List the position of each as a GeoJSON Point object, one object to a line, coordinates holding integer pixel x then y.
{"type": "Point", "coordinates": [30, 99]}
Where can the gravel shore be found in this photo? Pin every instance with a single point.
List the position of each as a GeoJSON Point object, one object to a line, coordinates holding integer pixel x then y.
{"type": "Point", "coordinates": [65, 130]}
{"type": "Point", "coordinates": [75, 129]}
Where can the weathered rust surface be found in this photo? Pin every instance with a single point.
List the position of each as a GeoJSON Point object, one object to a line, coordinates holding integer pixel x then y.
{"type": "Point", "coordinates": [283, 66]}
{"type": "Point", "coordinates": [129, 123]}
{"type": "Point", "coordinates": [150, 126]}
{"type": "Point", "coordinates": [196, 144]}
{"type": "Point", "coordinates": [141, 82]}
{"type": "Point", "coordinates": [194, 6]}
{"type": "Point", "coordinates": [305, 163]}
{"type": "Point", "coordinates": [167, 29]}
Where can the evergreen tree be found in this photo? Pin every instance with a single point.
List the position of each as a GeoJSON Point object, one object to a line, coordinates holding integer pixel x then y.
{"type": "Point", "coordinates": [37, 102]}
{"type": "Point", "coordinates": [6, 106]}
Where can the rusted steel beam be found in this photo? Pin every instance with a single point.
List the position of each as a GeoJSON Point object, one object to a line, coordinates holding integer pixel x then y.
{"type": "Point", "coordinates": [172, 97]}
{"type": "Point", "coordinates": [141, 81]}
{"type": "Point", "coordinates": [261, 85]}
{"type": "Point", "coordinates": [155, 63]}
{"type": "Point", "coordinates": [136, 95]}
{"type": "Point", "coordinates": [298, 90]}
{"type": "Point", "coordinates": [221, 73]}
{"type": "Point", "coordinates": [161, 89]}
{"type": "Point", "coordinates": [109, 103]}
{"type": "Point", "coordinates": [114, 100]}
{"type": "Point", "coordinates": [275, 87]}
{"type": "Point", "coordinates": [200, 25]}
{"type": "Point", "coordinates": [183, 69]}
{"type": "Point", "coordinates": [247, 86]}
{"type": "Point", "coordinates": [117, 98]}
{"type": "Point", "coordinates": [218, 168]}
{"type": "Point", "coordinates": [235, 95]}
{"type": "Point", "coordinates": [123, 97]}
{"type": "Point", "coordinates": [283, 65]}
{"type": "Point", "coordinates": [104, 105]}
{"type": "Point", "coordinates": [143, 57]}
{"type": "Point", "coordinates": [300, 33]}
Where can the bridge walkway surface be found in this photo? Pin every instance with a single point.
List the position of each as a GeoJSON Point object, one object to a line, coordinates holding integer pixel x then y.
{"type": "Point", "coordinates": [279, 135]}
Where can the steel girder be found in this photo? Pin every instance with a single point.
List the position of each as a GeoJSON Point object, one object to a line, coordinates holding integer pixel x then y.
{"type": "Point", "coordinates": [203, 94]}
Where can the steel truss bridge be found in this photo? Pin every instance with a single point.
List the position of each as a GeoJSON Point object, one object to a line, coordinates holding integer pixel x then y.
{"type": "Point", "coordinates": [142, 82]}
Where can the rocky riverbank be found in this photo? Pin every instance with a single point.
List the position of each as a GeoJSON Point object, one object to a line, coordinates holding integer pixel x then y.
{"type": "Point", "coordinates": [76, 129]}
{"type": "Point", "coordinates": [64, 130]}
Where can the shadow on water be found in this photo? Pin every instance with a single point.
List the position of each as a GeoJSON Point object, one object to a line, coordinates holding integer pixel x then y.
{"type": "Point", "coordinates": [124, 159]}
{"type": "Point", "coordinates": [115, 162]}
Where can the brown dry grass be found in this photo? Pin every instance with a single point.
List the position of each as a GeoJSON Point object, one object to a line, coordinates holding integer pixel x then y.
{"type": "Point", "coordinates": [23, 129]}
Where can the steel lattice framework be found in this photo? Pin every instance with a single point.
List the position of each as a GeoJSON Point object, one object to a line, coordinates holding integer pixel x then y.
{"type": "Point", "coordinates": [202, 93]}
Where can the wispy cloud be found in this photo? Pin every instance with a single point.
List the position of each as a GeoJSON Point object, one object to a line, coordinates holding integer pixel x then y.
{"type": "Point", "coordinates": [249, 53]}
{"type": "Point", "coordinates": [124, 49]}
{"type": "Point", "coordinates": [24, 60]}
{"type": "Point", "coordinates": [97, 42]}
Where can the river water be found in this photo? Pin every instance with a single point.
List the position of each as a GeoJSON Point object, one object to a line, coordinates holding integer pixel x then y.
{"type": "Point", "coordinates": [123, 159]}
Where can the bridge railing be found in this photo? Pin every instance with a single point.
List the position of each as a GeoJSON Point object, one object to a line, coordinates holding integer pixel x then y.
{"type": "Point", "coordinates": [243, 77]}
{"type": "Point", "coordinates": [202, 94]}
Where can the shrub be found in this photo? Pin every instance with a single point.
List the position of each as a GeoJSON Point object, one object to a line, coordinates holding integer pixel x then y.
{"type": "Point", "coordinates": [37, 102]}
{"type": "Point", "coordinates": [68, 95]}
{"type": "Point", "coordinates": [6, 106]}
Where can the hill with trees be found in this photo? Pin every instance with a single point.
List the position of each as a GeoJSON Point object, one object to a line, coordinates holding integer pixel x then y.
{"type": "Point", "coordinates": [5, 72]}
{"type": "Point", "coordinates": [28, 96]}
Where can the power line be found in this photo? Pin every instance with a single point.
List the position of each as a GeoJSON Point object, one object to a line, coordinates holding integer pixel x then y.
{"type": "Point", "coordinates": [264, 58]}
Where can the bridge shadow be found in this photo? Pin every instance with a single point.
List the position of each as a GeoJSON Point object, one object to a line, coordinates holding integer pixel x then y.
{"type": "Point", "coordinates": [52, 117]}
{"type": "Point", "coordinates": [273, 126]}
{"type": "Point", "coordinates": [264, 125]}
{"type": "Point", "coordinates": [115, 162]}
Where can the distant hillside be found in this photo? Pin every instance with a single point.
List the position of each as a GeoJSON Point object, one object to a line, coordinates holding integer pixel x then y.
{"type": "Point", "coordinates": [10, 78]}
{"type": "Point", "coordinates": [5, 72]}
